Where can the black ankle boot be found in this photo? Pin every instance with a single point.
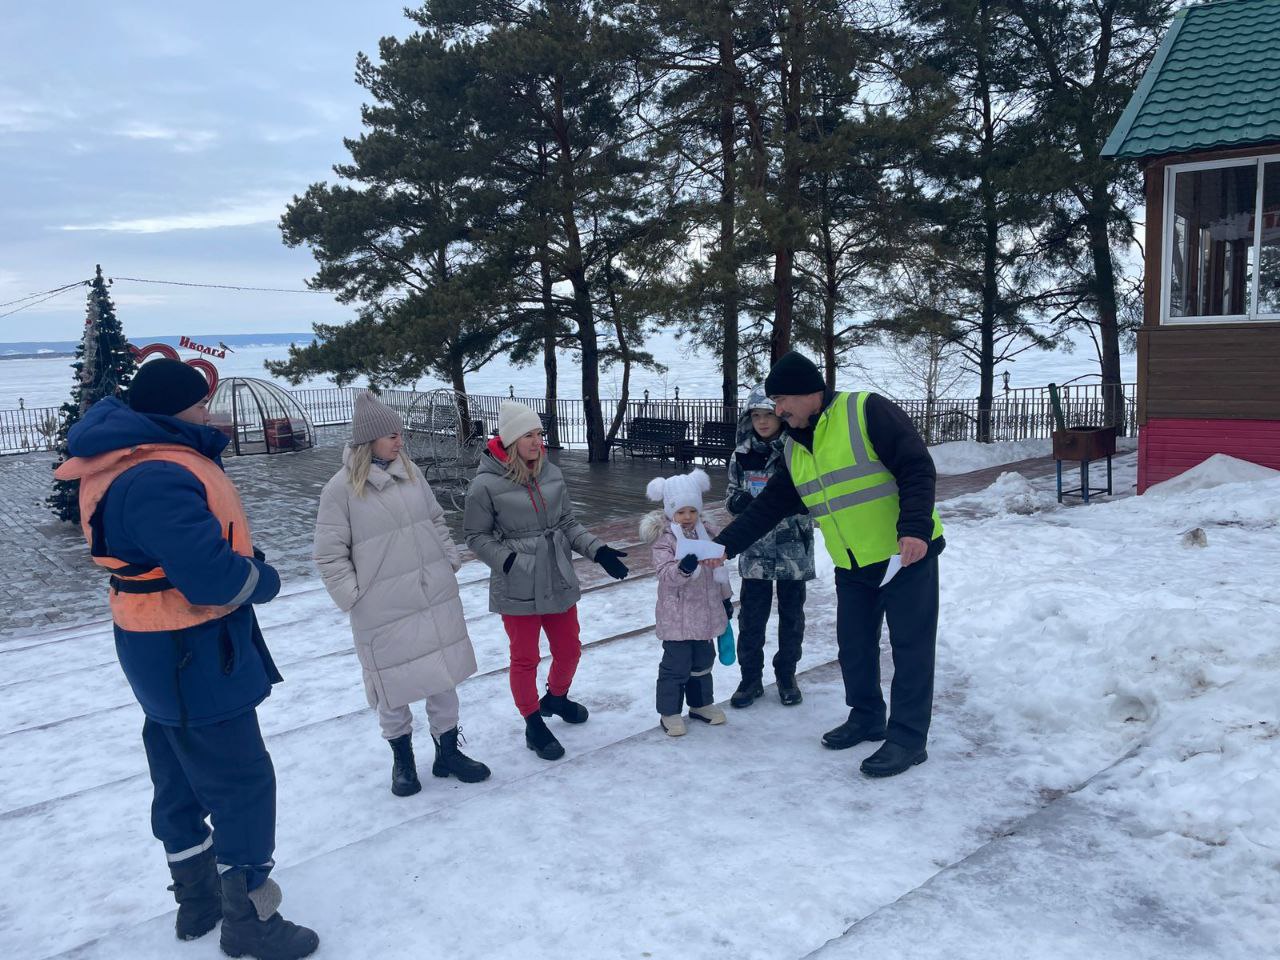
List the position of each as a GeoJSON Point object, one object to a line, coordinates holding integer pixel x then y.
{"type": "Point", "coordinates": [788, 692]}
{"type": "Point", "coordinates": [450, 761]}
{"type": "Point", "coordinates": [252, 927]}
{"type": "Point", "coordinates": [198, 893]}
{"type": "Point", "coordinates": [892, 759]}
{"type": "Point", "coordinates": [747, 693]}
{"type": "Point", "coordinates": [554, 705]}
{"type": "Point", "coordinates": [541, 740]}
{"type": "Point", "coordinates": [851, 733]}
{"type": "Point", "coordinates": [404, 771]}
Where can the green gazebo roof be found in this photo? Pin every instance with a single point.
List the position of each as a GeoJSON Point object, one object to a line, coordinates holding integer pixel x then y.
{"type": "Point", "coordinates": [1214, 83]}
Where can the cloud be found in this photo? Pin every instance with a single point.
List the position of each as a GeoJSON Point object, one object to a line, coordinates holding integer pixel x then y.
{"type": "Point", "coordinates": [184, 141]}
{"type": "Point", "coordinates": [242, 213]}
{"type": "Point", "coordinates": [287, 134]}
{"type": "Point", "coordinates": [28, 113]}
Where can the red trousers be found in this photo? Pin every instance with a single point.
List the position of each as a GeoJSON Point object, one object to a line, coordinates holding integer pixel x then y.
{"type": "Point", "coordinates": [566, 649]}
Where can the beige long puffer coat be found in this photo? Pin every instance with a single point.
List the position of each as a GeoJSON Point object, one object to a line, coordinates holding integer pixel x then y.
{"type": "Point", "coordinates": [387, 558]}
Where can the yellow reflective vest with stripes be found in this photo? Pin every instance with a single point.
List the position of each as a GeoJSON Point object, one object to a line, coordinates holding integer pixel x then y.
{"type": "Point", "coordinates": [849, 493]}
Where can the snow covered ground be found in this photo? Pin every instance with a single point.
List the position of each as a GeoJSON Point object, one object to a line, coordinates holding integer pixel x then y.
{"type": "Point", "coordinates": [964, 456]}
{"type": "Point", "coordinates": [1102, 777]}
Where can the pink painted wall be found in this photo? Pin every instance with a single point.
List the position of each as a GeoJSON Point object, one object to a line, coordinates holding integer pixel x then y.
{"type": "Point", "coordinates": [1168, 447]}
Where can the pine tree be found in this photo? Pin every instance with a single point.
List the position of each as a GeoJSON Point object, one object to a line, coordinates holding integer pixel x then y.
{"type": "Point", "coordinates": [103, 367]}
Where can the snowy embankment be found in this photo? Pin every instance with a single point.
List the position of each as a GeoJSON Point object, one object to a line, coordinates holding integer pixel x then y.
{"type": "Point", "coordinates": [964, 456]}
{"type": "Point", "coordinates": [1103, 690]}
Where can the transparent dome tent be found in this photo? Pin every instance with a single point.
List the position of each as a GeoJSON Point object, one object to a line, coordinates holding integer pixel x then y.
{"type": "Point", "coordinates": [259, 417]}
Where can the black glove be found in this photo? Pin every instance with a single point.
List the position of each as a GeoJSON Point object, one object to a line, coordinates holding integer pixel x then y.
{"type": "Point", "coordinates": [729, 552]}
{"type": "Point", "coordinates": [506, 564]}
{"type": "Point", "coordinates": [608, 558]}
{"type": "Point", "coordinates": [259, 555]}
{"type": "Point", "coordinates": [688, 564]}
{"type": "Point", "coordinates": [739, 502]}
{"type": "Point", "coordinates": [728, 608]}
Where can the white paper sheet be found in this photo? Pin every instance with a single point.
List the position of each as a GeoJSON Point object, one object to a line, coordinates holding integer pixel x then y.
{"type": "Point", "coordinates": [895, 564]}
{"type": "Point", "coordinates": [702, 549]}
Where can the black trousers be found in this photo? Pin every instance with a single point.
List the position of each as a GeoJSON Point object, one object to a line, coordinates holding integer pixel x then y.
{"type": "Point", "coordinates": [219, 771]}
{"type": "Point", "coordinates": [753, 617]}
{"type": "Point", "coordinates": [910, 604]}
{"type": "Point", "coordinates": [685, 674]}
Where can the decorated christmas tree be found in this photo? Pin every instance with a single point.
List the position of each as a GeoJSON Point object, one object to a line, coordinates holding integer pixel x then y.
{"type": "Point", "coordinates": [103, 368]}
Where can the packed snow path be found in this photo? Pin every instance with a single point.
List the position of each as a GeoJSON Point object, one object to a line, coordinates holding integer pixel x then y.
{"type": "Point", "coordinates": [1076, 643]}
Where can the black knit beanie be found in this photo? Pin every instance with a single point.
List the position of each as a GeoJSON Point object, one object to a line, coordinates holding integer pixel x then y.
{"type": "Point", "coordinates": [794, 375]}
{"type": "Point", "coordinates": [167, 387]}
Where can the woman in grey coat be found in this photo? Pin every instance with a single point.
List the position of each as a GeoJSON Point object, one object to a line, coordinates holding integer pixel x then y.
{"type": "Point", "coordinates": [519, 521]}
{"type": "Point", "coordinates": [386, 557]}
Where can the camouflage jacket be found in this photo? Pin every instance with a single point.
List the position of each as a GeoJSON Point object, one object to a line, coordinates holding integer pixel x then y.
{"type": "Point", "coordinates": [786, 552]}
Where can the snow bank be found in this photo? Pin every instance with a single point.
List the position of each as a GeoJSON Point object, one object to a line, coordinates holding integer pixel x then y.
{"type": "Point", "coordinates": [1010, 493]}
{"type": "Point", "coordinates": [1218, 470]}
{"type": "Point", "coordinates": [1087, 633]}
{"type": "Point", "coordinates": [963, 456]}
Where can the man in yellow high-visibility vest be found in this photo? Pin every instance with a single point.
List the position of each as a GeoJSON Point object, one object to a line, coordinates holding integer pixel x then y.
{"type": "Point", "coordinates": [858, 465]}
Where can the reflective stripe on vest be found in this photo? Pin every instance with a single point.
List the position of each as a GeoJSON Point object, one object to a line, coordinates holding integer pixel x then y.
{"type": "Point", "coordinates": [845, 486]}
{"type": "Point", "coordinates": [155, 605]}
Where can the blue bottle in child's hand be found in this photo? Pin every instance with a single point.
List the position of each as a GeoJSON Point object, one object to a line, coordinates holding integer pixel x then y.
{"type": "Point", "coordinates": [725, 645]}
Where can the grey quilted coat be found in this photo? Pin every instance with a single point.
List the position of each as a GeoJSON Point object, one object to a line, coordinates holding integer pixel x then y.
{"type": "Point", "coordinates": [786, 552]}
{"type": "Point", "coordinates": [388, 560]}
{"type": "Point", "coordinates": [537, 524]}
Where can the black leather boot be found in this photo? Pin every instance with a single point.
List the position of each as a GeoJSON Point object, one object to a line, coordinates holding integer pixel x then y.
{"type": "Point", "coordinates": [553, 705]}
{"type": "Point", "coordinates": [850, 733]}
{"type": "Point", "coordinates": [539, 739]}
{"type": "Point", "coordinates": [252, 926]}
{"type": "Point", "coordinates": [788, 692]}
{"type": "Point", "coordinates": [450, 761]}
{"type": "Point", "coordinates": [404, 771]}
{"type": "Point", "coordinates": [893, 759]}
{"type": "Point", "coordinates": [199, 895]}
{"type": "Point", "coordinates": [747, 693]}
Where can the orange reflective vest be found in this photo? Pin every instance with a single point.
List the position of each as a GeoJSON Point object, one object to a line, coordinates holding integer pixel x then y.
{"type": "Point", "coordinates": [142, 598]}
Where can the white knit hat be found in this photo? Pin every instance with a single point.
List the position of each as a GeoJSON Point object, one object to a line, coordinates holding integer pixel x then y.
{"type": "Point", "coordinates": [514, 421]}
{"type": "Point", "coordinates": [683, 490]}
{"type": "Point", "coordinates": [373, 419]}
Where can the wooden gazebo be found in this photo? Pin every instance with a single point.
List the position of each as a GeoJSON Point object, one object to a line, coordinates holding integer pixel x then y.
{"type": "Point", "coordinates": [1205, 126]}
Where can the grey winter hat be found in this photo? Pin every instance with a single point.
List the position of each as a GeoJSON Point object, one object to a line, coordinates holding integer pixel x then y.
{"type": "Point", "coordinates": [759, 400]}
{"type": "Point", "coordinates": [373, 419]}
{"type": "Point", "coordinates": [514, 421]}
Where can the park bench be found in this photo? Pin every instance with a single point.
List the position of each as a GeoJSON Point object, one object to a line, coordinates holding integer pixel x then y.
{"type": "Point", "coordinates": [654, 437]}
{"type": "Point", "coordinates": [717, 440]}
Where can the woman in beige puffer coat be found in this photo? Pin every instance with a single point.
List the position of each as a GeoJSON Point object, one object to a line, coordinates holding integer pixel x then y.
{"type": "Point", "coordinates": [386, 557]}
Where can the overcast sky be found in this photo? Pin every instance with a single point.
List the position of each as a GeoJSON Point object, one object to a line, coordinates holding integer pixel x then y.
{"type": "Point", "coordinates": [163, 140]}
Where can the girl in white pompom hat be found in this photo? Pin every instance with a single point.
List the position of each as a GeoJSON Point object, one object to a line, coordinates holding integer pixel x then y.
{"type": "Point", "coordinates": [693, 600]}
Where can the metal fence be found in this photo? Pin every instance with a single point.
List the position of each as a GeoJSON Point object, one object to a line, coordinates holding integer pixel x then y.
{"type": "Point", "coordinates": [22, 431]}
{"type": "Point", "coordinates": [1022, 414]}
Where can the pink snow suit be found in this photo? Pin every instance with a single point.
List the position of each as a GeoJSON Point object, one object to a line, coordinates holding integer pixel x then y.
{"type": "Point", "coordinates": [690, 606]}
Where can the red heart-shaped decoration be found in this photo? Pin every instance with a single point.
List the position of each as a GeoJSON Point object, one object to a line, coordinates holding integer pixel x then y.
{"type": "Point", "coordinates": [207, 369]}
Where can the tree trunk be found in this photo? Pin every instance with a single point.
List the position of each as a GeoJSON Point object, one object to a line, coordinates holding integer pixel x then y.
{"type": "Point", "coordinates": [576, 274]}
{"type": "Point", "coordinates": [458, 379]}
{"type": "Point", "coordinates": [791, 66]}
{"type": "Point", "coordinates": [1104, 290]}
{"type": "Point", "coordinates": [990, 239]}
{"type": "Point", "coordinates": [624, 349]}
{"type": "Point", "coordinates": [830, 291]}
{"type": "Point", "coordinates": [549, 340]}
{"type": "Point", "coordinates": [727, 251]}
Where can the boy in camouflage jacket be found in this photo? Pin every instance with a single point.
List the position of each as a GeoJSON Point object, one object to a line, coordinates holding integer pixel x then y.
{"type": "Point", "coordinates": [783, 557]}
